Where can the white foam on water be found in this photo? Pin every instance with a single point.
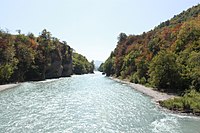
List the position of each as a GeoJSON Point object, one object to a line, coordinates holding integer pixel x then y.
{"type": "Point", "coordinates": [183, 116]}
{"type": "Point", "coordinates": [168, 124]}
{"type": "Point", "coordinates": [48, 80]}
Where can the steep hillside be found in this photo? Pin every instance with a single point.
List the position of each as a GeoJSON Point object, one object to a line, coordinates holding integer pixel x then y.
{"type": "Point", "coordinates": [81, 65]}
{"type": "Point", "coordinates": [166, 58]}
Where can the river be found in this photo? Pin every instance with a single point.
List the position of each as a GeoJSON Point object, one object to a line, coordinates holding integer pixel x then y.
{"type": "Point", "coordinates": [86, 103]}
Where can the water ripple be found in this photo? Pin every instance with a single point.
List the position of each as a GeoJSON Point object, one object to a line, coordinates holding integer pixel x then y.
{"type": "Point", "coordinates": [88, 103]}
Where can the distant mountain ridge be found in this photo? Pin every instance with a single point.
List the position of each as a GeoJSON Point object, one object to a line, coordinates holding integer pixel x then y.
{"type": "Point", "coordinates": [97, 63]}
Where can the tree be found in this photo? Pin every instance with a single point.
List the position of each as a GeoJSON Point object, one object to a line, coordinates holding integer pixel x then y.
{"type": "Point", "coordinates": [194, 69]}
{"type": "Point", "coordinates": [128, 66]}
{"type": "Point", "coordinates": [92, 66]}
{"type": "Point", "coordinates": [8, 60]}
{"type": "Point", "coordinates": [122, 37]}
{"type": "Point", "coordinates": [25, 55]}
{"type": "Point", "coordinates": [101, 67]}
{"type": "Point", "coordinates": [164, 72]}
{"type": "Point", "coordinates": [8, 64]}
{"type": "Point", "coordinates": [18, 31]}
{"type": "Point", "coordinates": [81, 65]}
{"type": "Point", "coordinates": [189, 33]}
{"type": "Point", "coordinates": [108, 67]}
{"type": "Point", "coordinates": [43, 51]}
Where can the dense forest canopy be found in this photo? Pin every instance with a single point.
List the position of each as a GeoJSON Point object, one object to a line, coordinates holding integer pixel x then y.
{"type": "Point", "coordinates": [26, 57]}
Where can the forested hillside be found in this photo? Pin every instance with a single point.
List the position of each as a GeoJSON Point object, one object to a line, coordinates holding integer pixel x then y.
{"type": "Point", "coordinates": [27, 58]}
{"type": "Point", "coordinates": [81, 65]}
{"type": "Point", "coordinates": [166, 58]}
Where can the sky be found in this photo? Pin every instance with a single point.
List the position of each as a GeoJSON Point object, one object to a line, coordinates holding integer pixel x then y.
{"type": "Point", "coordinates": [90, 27]}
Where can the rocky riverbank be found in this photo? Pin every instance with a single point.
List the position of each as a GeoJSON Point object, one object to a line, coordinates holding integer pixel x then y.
{"type": "Point", "coordinates": [156, 95]}
{"type": "Point", "coordinates": [7, 86]}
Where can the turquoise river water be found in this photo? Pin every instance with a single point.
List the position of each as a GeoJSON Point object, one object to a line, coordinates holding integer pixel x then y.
{"type": "Point", "coordinates": [86, 104]}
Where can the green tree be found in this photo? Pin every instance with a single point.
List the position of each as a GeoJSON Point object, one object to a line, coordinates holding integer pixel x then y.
{"type": "Point", "coordinates": [43, 52]}
{"type": "Point", "coordinates": [81, 65]}
{"type": "Point", "coordinates": [164, 72]}
{"type": "Point", "coordinates": [101, 67]}
{"type": "Point", "coordinates": [25, 55]}
{"type": "Point", "coordinates": [8, 60]}
{"type": "Point", "coordinates": [141, 75]}
{"type": "Point", "coordinates": [129, 66]}
{"type": "Point", "coordinates": [194, 69]}
{"type": "Point", "coordinates": [122, 37]}
{"type": "Point", "coordinates": [92, 66]}
{"type": "Point", "coordinates": [108, 66]}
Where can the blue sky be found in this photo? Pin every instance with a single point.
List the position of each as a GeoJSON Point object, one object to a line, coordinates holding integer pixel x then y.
{"type": "Point", "coordinates": [91, 27]}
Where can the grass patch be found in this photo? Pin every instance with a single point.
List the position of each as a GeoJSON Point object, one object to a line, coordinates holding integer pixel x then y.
{"type": "Point", "coordinates": [189, 103]}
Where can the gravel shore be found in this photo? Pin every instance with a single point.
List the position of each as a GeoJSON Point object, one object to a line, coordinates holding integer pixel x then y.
{"type": "Point", "coordinates": [156, 95]}
{"type": "Point", "coordinates": [7, 86]}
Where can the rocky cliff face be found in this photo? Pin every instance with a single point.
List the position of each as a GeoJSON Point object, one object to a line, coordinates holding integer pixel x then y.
{"type": "Point", "coordinates": [67, 61]}
{"type": "Point", "coordinates": [54, 70]}
{"type": "Point", "coordinates": [60, 63]}
{"type": "Point", "coordinates": [67, 69]}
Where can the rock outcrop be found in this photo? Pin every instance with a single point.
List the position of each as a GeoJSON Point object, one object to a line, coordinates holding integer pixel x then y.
{"type": "Point", "coordinates": [61, 63]}
{"type": "Point", "coordinates": [67, 61]}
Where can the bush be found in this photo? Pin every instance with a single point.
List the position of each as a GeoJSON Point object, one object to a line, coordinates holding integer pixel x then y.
{"type": "Point", "coordinates": [189, 103]}
{"type": "Point", "coordinates": [143, 80]}
{"type": "Point", "coordinates": [135, 78]}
